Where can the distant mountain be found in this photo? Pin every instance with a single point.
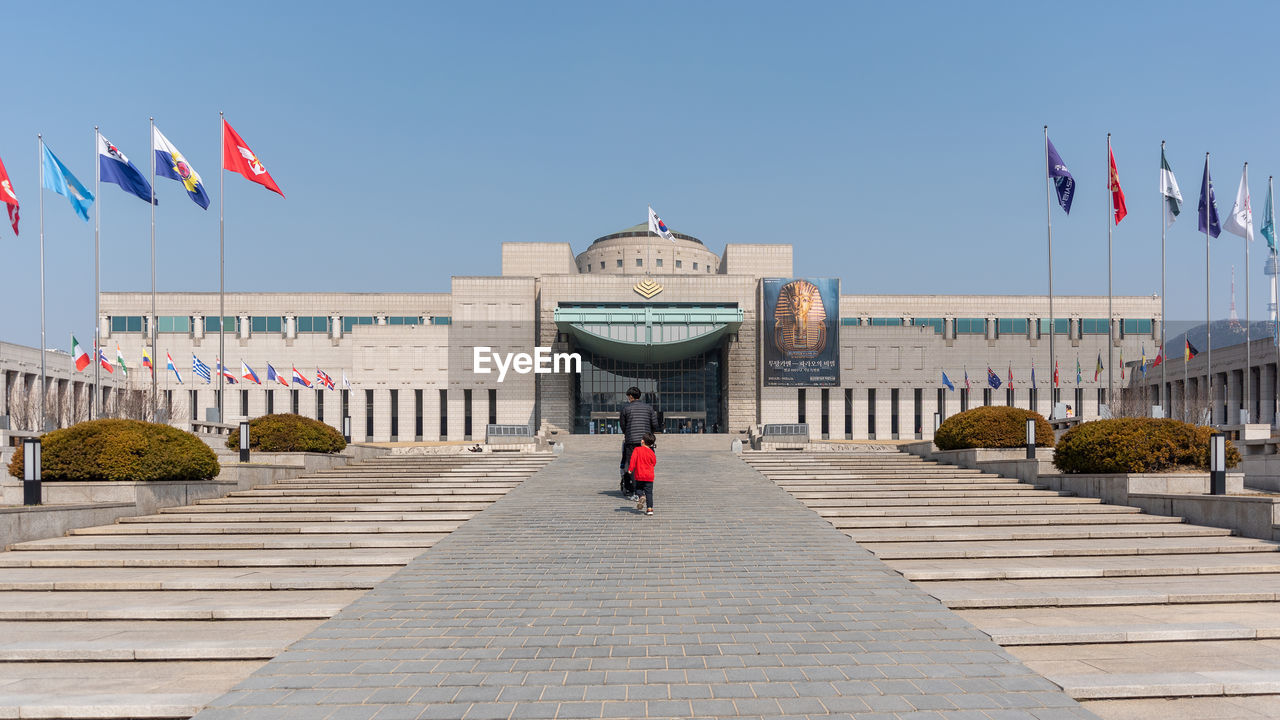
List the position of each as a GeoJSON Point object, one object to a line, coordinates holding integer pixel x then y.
{"type": "Point", "coordinates": [1226, 333]}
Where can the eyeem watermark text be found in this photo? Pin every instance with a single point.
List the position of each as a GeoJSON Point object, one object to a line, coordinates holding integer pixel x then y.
{"type": "Point", "coordinates": [541, 362]}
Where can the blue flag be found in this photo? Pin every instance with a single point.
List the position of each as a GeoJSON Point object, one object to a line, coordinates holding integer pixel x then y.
{"type": "Point", "coordinates": [172, 164]}
{"type": "Point", "coordinates": [1208, 205]}
{"type": "Point", "coordinates": [993, 379]}
{"type": "Point", "coordinates": [114, 167]}
{"type": "Point", "coordinates": [1062, 180]}
{"type": "Point", "coordinates": [1269, 221]}
{"type": "Point", "coordinates": [60, 180]}
{"type": "Point", "coordinates": [947, 381]}
{"type": "Point", "coordinates": [1033, 374]}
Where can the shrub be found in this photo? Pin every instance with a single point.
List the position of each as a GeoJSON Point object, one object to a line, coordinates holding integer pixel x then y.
{"type": "Point", "coordinates": [991, 426]}
{"type": "Point", "coordinates": [1136, 445]}
{"type": "Point", "coordinates": [289, 433]}
{"type": "Point", "coordinates": [122, 450]}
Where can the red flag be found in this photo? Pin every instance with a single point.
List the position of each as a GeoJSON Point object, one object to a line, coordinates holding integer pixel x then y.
{"type": "Point", "coordinates": [1055, 373]}
{"type": "Point", "coordinates": [1117, 195]}
{"type": "Point", "coordinates": [8, 198]}
{"type": "Point", "coordinates": [237, 157]}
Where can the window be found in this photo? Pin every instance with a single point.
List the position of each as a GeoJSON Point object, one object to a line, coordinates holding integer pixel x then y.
{"type": "Point", "coordinates": [1094, 326]}
{"type": "Point", "coordinates": [271, 402]}
{"type": "Point", "coordinates": [850, 321]}
{"type": "Point", "coordinates": [708, 268]}
{"type": "Point", "coordinates": [346, 405]}
{"type": "Point", "coordinates": [942, 405]}
{"type": "Point", "coordinates": [986, 396]}
{"type": "Point", "coordinates": [893, 412]}
{"type": "Point", "coordinates": [466, 414]}
{"type": "Point", "coordinates": [395, 414]}
{"type": "Point", "coordinates": [444, 414]}
{"type": "Point", "coordinates": [695, 266]}
{"type": "Point", "coordinates": [417, 412]}
{"type": "Point", "coordinates": [493, 406]}
{"type": "Point", "coordinates": [639, 262]}
{"type": "Point", "coordinates": [935, 323]}
{"type": "Point", "coordinates": [659, 262]}
{"type": "Point", "coordinates": [918, 402]}
{"type": "Point", "coordinates": [1102, 399]}
{"type": "Point", "coordinates": [293, 401]}
{"type": "Point", "coordinates": [601, 264]}
{"type": "Point", "coordinates": [886, 322]}
{"type": "Point", "coordinates": [126, 323]}
{"type": "Point", "coordinates": [964, 399]}
{"type": "Point", "coordinates": [1061, 326]}
{"type": "Point", "coordinates": [871, 413]}
{"type": "Point", "coordinates": [195, 406]}
{"type": "Point", "coordinates": [588, 267]}
{"type": "Point", "coordinates": [266, 324]}
{"type": "Point", "coordinates": [313, 323]}
{"type": "Point", "coordinates": [244, 403]}
{"type": "Point", "coordinates": [368, 414]}
{"type": "Point", "coordinates": [1033, 399]}
{"type": "Point", "coordinates": [442, 320]}
{"type": "Point", "coordinates": [350, 322]}
{"type": "Point", "coordinates": [619, 262]}
{"type": "Point", "coordinates": [1079, 408]}
{"type": "Point", "coordinates": [1011, 326]}
{"type": "Point", "coordinates": [229, 324]}
{"type": "Point", "coordinates": [319, 404]}
{"type": "Point", "coordinates": [1135, 327]}
{"type": "Point", "coordinates": [679, 264]}
{"type": "Point", "coordinates": [971, 326]}
{"type": "Point", "coordinates": [848, 414]}
{"type": "Point", "coordinates": [826, 409]}
{"type": "Point", "coordinates": [1008, 397]}
{"type": "Point", "coordinates": [800, 405]}
{"type": "Point", "coordinates": [173, 324]}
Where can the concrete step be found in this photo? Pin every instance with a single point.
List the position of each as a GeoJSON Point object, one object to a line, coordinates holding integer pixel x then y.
{"type": "Point", "coordinates": [940, 509]}
{"type": "Point", "coordinates": [211, 578]}
{"type": "Point", "coordinates": [284, 509]}
{"type": "Point", "coordinates": [315, 515]}
{"type": "Point", "coordinates": [1159, 669]}
{"type": "Point", "coordinates": [1101, 519]}
{"type": "Point", "coordinates": [234, 542]}
{"type": "Point", "coordinates": [1078, 547]}
{"type": "Point", "coordinates": [1131, 623]}
{"type": "Point", "coordinates": [1076, 567]}
{"type": "Point", "coordinates": [214, 504]}
{"type": "Point", "coordinates": [980, 501]}
{"type": "Point", "coordinates": [973, 534]}
{"type": "Point", "coordinates": [1105, 591]}
{"type": "Point", "coordinates": [174, 604]}
{"type": "Point", "coordinates": [115, 690]}
{"type": "Point", "coordinates": [273, 527]}
{"type": "Point", "coordinates": [1217, 707]}
{"type": "Point", "coordinates": [358, 557]}
{"type": "Point", "coordinates": [115, 640]}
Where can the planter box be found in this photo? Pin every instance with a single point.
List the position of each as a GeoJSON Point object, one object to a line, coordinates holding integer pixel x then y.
{"type": "Point", "coordinates": [1252, 516]}
{"type": "Point", "coordinates": [1117, 489]}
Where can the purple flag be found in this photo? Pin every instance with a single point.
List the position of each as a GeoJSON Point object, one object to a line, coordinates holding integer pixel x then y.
{"type": "Point", "coordinates": [1062, 180]}
{"type": "Point", "coordinates": [1208, 209]}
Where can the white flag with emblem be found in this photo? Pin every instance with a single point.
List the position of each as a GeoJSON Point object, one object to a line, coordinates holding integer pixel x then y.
{"type": "Point", "coordinates": [1240, 221]}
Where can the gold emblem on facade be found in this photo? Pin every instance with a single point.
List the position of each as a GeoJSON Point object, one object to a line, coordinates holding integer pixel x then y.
{"type": "Point", "coordinates": [647, 288]}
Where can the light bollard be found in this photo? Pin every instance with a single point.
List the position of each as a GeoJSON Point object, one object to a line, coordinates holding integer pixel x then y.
{"type": "Point", "coordinates": [1031, 438]}
{"type": "Point", "coordinates": [31, 485]}
{"type": "Point", "coordinates": [1217, 464]}
{"type": "Point", "coordinates": [244, 442]}
{"type": "Point", "coordinates": [346, 428]}
{"type": "Point", "coordinates": [937, 421]}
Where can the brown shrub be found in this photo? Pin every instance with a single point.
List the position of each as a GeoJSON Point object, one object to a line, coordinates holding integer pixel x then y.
{"type": "Point", "coordinates": [289, 433]}
{"type": "Point", "coordinates": [992, 426]}
{"type": "Point", "coordinates": [1136, 445]}
{"type": "Point", "coordinates": [121, 450]}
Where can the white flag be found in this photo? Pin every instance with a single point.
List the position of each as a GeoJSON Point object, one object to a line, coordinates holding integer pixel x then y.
{"type": "Point", "coordinates": [345, 382]}
{"type": "Point", "coordinates": [658, 227]}
{"type": "Point", "coordinates": [1240, 221]}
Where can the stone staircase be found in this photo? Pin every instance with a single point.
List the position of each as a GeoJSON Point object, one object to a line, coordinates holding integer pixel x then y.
{"type": "Point", "coordinates": [1135, 615]}
{"type": "Point", "coordinates": [153, 617]}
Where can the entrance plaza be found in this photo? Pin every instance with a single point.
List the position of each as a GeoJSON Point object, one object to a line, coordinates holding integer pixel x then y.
{"type": "Point", "coordinates": [560, 601]}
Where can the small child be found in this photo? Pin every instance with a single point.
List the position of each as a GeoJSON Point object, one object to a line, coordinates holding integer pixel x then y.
{"type": "Point", "coordinates": [641, 466]}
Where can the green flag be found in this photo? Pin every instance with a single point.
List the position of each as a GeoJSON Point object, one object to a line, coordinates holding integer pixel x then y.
{"type": "Point", "coordinates": [1169, 189]}
{"type": "Point", "coordinates": [1269, 221]}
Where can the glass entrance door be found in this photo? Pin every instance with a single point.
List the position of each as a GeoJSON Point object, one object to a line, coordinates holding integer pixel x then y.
{"type": "Point", "coordinates": [688, 393]}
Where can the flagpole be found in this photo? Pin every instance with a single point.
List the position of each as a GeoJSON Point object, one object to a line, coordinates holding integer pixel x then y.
{"type": "Point", "coordinates": [1111, 206]}
{"type": "Point", "coordinates": [95, 404]}
{"type": "Point", "coordinates": [1248, 336]}
{"type": "Point", "coordinates": [1275, 386]}
{"type": "Point", "coordinates": [40, 163]}
{"type": "Point", "coordinates": [1048, 221]}
{"type": "Point", "coordinates": [222, 310]}
{"type": "Point", "coordinates": [1208, 318]}
{"type": "Point", "coordinates": [1164, 229]}
{"type": "Point", "coordinates": [155, 321]}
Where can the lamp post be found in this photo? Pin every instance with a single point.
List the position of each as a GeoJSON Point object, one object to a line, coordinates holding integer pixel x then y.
{"type": "Point", "coordinates": [31, 487]}
{"type": "Point", "coordinates": [244, 441]}
{"type": "Point", "coordinates": [1217, 464]}
{"type": "Point", "coordinates": [1031, 438]}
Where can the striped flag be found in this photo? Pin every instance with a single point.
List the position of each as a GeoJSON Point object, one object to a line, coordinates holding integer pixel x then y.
{"type": "Point", "coordinates": [200, 370]}
{"type": "Point", "coordinates": [174, 368]}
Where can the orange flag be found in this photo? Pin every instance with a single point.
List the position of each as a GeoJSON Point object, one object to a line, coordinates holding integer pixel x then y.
{"type": "Point", "coordinates": [237, 157]}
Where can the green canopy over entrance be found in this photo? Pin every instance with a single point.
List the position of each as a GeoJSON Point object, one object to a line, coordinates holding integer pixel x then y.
{"type": "Point", "coordinates": [648, 333]}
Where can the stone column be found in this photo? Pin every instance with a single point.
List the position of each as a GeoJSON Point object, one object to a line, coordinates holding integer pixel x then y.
{"type": "Point", "coordinates": [245, 326]}
{"type": "Point", "coordinates": [382, 414]}
{"type": "Point", "coordinates": [197, 326]}
{"type": "Point", "coordinates": [1235, 395]}
{"type": "Point", "coordinates": [884, 413]}
{"type": "Point", "coordinates": [928, 406]}
{"type": "Point", "coordinates": [860, 429]}
{"type": "Point", "coordinates": [290, 327]}
{"type": "Point", "coordinates": [335, 327]}
{"type": "Point", "coordinates": [1266, 393]}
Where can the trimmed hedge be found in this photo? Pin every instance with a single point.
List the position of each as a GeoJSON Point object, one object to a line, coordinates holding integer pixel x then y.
{"type": "Point", "coordinates": [122, 450]}
{"type": "Point", "coordinates": [289, 433]}
{"type": "Point", "coordinates": [1136, 445]}
{"type": "Point", "coordinates": [991, 426]}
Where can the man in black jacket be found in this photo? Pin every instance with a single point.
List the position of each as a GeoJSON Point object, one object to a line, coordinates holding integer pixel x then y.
{"type": "Point", "coordinates": [636, 418]}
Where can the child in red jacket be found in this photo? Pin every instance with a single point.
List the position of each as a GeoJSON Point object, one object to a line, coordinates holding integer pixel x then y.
{"type": "Point", "coordinates": [643, 459]}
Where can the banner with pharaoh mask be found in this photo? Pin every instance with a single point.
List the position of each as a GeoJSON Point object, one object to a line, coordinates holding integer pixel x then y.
{"type": "Point", "coordinates": [800, 338]}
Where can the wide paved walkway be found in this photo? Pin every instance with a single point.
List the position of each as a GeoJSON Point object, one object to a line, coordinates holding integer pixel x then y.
{"type": "Point", "coordinates": [560, 601]}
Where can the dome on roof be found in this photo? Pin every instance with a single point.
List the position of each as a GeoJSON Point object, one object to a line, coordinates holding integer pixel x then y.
{"type": "Point", "coordinates": [641, 230]}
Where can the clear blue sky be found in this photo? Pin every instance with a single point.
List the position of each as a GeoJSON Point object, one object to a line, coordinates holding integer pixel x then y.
{"type": "Point", "coordinates": [897, 146]}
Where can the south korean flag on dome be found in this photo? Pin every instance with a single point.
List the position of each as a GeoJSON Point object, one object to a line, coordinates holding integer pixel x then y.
{"type": "Point", "coordinates": [658, 227]}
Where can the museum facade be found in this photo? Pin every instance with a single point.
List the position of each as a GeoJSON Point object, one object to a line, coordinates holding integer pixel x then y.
{"type": "Point", "coordinates": [717, 342]}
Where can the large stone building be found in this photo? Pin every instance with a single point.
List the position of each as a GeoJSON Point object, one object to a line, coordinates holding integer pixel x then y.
{"type": "Point", "coordinates": [673, 317]}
